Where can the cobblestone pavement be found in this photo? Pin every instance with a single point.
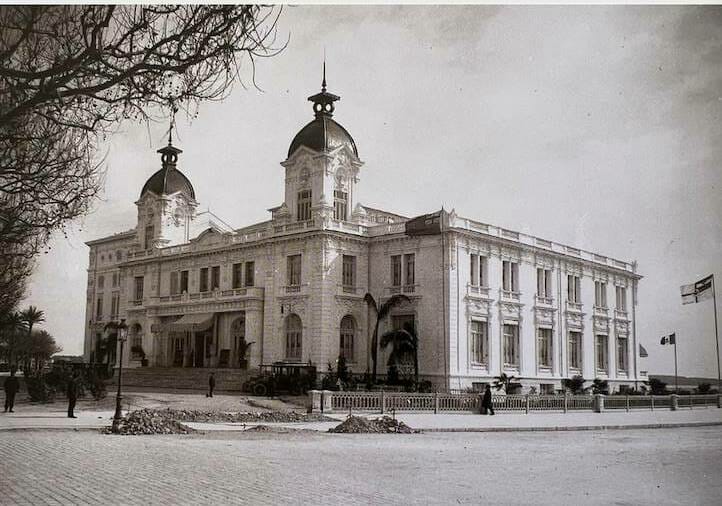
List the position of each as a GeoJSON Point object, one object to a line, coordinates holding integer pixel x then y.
{"type": "Point", "coordinates": [665, 466]}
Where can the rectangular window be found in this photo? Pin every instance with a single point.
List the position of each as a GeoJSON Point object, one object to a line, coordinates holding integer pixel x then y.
{"type": "Point", "coordinates": [621, 298]}
{"type": "Point", "coordinates": [293, 270]}
{"type": "Point", "coordinates": [574, 288]}
{"type": "Point", "coordinates": [474, 270]}
{"type": "Point", "coordinates": [101, 282]}
{"type": "Point", "coordinates": [184, 281]}
{"type": "Point", "coordinates": [115, 279]}
{"type": "Point", "coordinates": [215, 277]}
{"type": "Point", "coordinates": [148, 239]}
{"type": "Point", "coordinates": [99, 309]}
{"type": "Point", "coordinates": [114, 305]}
{"type": "Point", "coordinates": [483, 275]}
{"type": "Point", "coordinates": [173, 283]}
{"type": "Point", "coordinates": [575, 350]}
{"type": "Point", "coordinates": [250, 273]}
{"type": "Point", "coordinates": [511, 345]}
{"type": "Point", "coordinates": [479, 342]}
{"type": "Point", "coordinates": [203, 281]}
{"type": "Point", "coordinates": [303, 207]}
{"type": "Point", "coordinates": [544, 283]}
{"type": "Point", "coordinates": [349, 270]}
{"type": "Point", "coordinates": [544, 347]}
{"type": "Point", "coordinates": [237, 275]}
{"type": "Point", "coordinates": [340, 205]}
{"type": "Point", "coordinates": [510, 276]}
{"type": "Point", "coordinates": [138, 288]}
{"type": "Point", "coordinates": [410, 263]}
{"type": "Point", "coordinates": [602, 353]}
{"type": "Point", "coordinates": [622, 354]}
{"type": "Point", "coordinates": [396, 270]}
{"type": "Point", "coordinates": [600, 294]}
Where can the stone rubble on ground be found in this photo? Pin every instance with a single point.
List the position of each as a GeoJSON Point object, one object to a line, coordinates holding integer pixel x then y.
{"type": "Point", "coordinates": [359, 425]}
{"type": "Point", "coordinates": [149, 421]}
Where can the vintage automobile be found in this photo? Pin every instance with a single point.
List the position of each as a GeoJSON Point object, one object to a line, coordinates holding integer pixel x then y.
{"type": "Point", "coordinates": [282, 378]}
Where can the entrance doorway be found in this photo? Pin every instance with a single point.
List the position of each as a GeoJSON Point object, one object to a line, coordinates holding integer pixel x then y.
{"type": "Point", "coordinates": [199, 352]}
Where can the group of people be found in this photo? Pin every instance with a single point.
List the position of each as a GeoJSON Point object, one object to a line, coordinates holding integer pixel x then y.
{"type": "Point", "coordinates": [12, 387]}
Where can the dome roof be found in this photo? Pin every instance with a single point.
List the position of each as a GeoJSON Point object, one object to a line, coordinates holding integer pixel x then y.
{"type": "Point", "coordinates": [322, 134]}
{"type": "Point", "coordinates": [169, 180]}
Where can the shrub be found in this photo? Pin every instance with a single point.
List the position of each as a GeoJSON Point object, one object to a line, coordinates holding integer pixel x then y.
{"type": "Point", "coordinates": [575, 385]}
{"type": "Point", "coordinates": [38, 389]}
{"type": "Point", "coordinates": [658, 387]}
{"type": "Point", "coordinates": [704, 388]}
{"type": "Point", "coordinates": [600, 386]}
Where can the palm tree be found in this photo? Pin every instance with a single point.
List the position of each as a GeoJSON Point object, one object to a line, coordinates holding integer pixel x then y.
{"type": "Point", "coordinates": [381, 313]}
{"type": "Point", "coordinates": [31, 316]}
{"type": "Point", "coordinates": [12, 325]}
{"type": "Point", "coordinates": [403, 342]}
{"type": "Point", "coordinates": [504, 381]}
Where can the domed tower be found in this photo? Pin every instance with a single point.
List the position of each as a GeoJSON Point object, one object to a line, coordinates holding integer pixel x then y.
{"type": "Point", "coordinates": [322, 167]}
{"type": "Point", "coordinates": [167, 204]}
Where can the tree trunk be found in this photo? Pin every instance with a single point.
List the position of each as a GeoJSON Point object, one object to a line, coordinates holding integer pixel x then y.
{"type": "Point", "coordinates": [374, 347]}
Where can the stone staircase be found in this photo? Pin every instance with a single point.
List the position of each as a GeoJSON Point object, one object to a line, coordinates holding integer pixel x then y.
{"type": "Point", "coordinates": [183, 378]}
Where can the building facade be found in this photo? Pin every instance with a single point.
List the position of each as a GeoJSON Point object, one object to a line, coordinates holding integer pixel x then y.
{"type": "Point", "coordinates": [483, 300]}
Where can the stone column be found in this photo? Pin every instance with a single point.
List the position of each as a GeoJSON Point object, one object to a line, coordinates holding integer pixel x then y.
{"type": "Point", "coordinates": [598, 403]}
{"type": "Point", "coordinates": [254, 333]}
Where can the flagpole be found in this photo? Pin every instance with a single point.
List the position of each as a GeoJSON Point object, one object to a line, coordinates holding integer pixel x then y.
{"type": "Point", "coordinates": [676, 385]}
{"type": "Point", "coordinates": [716, 333]}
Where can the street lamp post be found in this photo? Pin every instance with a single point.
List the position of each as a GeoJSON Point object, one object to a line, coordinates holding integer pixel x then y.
{"type": "Point", "coordinates": [122, 330]}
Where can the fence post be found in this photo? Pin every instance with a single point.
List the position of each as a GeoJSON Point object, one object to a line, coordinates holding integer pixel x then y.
{"type": "Point", "coordinates": [566, 401]}
{"type": "Point", "coordinates": [326, 401]}
{"type": "Point", "coordinates": [381, 401]}
{"type": "Point", "coordinates": [627, 403]}
{"type": "Point", "coordinates": [719, 400]}
{"type": "Point", "coordinates": [436, 402]}
{"type": "Point", "coordinates": [673, 402]}
{"type": "Point", "coordinates": [314, 397]}
{"type": "Point", "coordinates": [526, 404]}
{"type": "Point", "coordinates": [598, 403]}
{"type": "Point", "coordinates": [652, 402]}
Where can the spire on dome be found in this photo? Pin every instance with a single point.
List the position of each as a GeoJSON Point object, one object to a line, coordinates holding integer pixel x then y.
{"type": "Point", "coordinates": [169, 153]}
{"type": "Point", "coordinates": [323, 102]}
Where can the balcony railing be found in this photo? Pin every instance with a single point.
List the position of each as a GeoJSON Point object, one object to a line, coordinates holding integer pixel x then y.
{"type": "Point", "coordinates": [292, 289]}
{"type": "Point", "coordinates": [601, 311]}
{"type": "Point", "coordinates": [137, 302]}
{"type": "Point", "coordinates": [478, 291]}
{"type": "Point", "coordinates": [348, 289]}
{"type": "Point", "coordinates": [574, 306]}
{"type": "Point", "coordinates": [510, 295]}
{"type": "Point", "coordinates": [543, 300]}
{"type": "Point", "coordinates": [215, 294]}
{"type": "Point", "coordinates": [621, 314]}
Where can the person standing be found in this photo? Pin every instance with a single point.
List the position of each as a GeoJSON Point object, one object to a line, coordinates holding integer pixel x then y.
{"type": "Point", "coordinates": [487, 405]}
{"type": "Point", "coordinates": [211, 385]}
{"type": "Point", "coordinates": [12, 385]}
{"type": "Point", "coordinates": [72, 394]}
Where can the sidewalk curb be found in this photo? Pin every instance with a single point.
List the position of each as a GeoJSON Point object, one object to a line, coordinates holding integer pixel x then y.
{"type": "Point", "coordinates": [575, 428]}
{"type": "Point", "coordinates": [54, 429]}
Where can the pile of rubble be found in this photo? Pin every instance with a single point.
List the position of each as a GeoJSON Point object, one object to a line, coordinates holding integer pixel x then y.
{"type": "Point", "coordinates": [184, 415]}
{"type": "Point", "coordinates": [383, 425]}
{"type": "Point", "coordinates": [149, 421]}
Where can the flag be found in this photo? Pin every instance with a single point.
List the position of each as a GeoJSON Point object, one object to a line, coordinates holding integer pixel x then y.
{"type": "Point", "coordinates": [427, 224]}
{"type": "Point", "coordinates": [670, 339]}
{"type": "Point", "coordinates": [642, 352]}
{"type": "Point", "coordinates": [698, 291]}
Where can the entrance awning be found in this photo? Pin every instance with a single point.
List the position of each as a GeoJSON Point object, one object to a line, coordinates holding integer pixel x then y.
{"type": "Point", "coordinates": [190, 323]}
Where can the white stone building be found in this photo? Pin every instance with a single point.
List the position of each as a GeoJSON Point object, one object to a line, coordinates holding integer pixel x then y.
{"type": "Point", "coordinates": [483, 300]}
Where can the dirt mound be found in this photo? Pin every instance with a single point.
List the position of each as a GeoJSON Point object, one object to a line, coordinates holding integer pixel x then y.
{"type": "Point", "coordinates": [383, 425]}
{"type": "Point", "coordinates": [149, 421]}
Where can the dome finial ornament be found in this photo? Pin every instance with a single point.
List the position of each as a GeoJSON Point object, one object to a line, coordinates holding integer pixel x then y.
{"type": "Point", "coordinates": [169, 153]}
{"type": "Point", "coordinates": [323, 102]}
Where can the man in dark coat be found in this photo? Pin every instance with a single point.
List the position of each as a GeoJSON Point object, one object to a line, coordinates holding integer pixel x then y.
{"type": "Point", "coordinates": [12, 385]}
{"type": "Point", "coordinates": [487, 406]}
{"type": "Point", "coordinates": [211, 385]}
{"type": "Point", "coordinates": [72, 393]}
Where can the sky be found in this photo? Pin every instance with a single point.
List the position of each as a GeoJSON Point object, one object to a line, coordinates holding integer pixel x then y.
{"type": "Point", "coordinates": [598, 127]}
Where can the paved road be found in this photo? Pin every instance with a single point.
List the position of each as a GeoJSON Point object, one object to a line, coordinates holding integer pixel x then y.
{"type": "Point", "coordinates": [664, 466]}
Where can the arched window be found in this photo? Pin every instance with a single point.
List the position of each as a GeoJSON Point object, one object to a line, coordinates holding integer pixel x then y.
{"type": "Point", "coordinates": [348, 331]}
{"type": "Point", "coordinates": [294, 337]}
